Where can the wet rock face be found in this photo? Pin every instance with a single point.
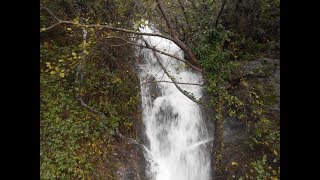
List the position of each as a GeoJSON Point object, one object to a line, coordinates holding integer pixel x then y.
{"type": "Point", "coordinates": [262, 67]}
{"type": "Point", "coordinates": [133, 162]}
{"type": "Point", "coordinates": [234, 130]}
{"type": "Point", "coordinates": [133, 169]}
{"type": "Point", "coordinates": [154, 88]}
{"type": "Point", "coordinates": [264, 74]}
{"type": "Point", "coordinates": [266, 71]}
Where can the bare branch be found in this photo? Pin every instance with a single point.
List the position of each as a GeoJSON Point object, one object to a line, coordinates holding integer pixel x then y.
{"type": "Point", "coordinates": [170, 55]}
{"type": "Point", "coordinates": [185, 15]}
{"type": "Point", "coordinates": [54, 25]}
{"type": "Point", "coordinates": [157, 50]}
{"type": "Point", "coordinates": [167, 19]}
{"type": "Point", "coordinates": [117, 45]}
{"type": "Point", "coordinates": [105, 27]}
{"type": "Point", "coordinates": [172, 82]}
{"type": "Point", "coordinates": [48, 10]}
{"type": "Point", "coordinates": [174, 34]}
{"type": "Point", "coordinates": [90, 108]}
{"type": "Point", "coordinates": [194, 5]}
{"type": "Point", "coordinates": [220, 13]}
{"type": "Point", "coordinates": [174, 39]}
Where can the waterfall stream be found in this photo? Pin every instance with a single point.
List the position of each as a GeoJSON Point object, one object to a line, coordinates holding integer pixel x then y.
{"type": "Point", "coordinates": [177, 135]}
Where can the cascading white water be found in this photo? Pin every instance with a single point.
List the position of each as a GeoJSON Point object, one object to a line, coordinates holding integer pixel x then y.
{"type": "Point", "coordinates": [175, 129]}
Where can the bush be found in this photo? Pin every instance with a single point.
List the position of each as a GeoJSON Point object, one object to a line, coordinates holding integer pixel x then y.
{"type": "Point", "coordinates": [73, 139]}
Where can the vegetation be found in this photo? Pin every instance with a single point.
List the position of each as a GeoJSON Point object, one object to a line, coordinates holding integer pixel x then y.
{"type": "Point", "coordinates": [90, 92]}
{"type": "Point", "coordinates": [75, 140]}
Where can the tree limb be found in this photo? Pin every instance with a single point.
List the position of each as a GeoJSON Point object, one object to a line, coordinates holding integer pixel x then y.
{"type": "Point", "coordinates": [157, 50]}
{"type": "Point", "coordinates": [174, 81]}
{"type": "Point", "coordinates": [46, 29]}
{"type": "Point", "coordinates": [102, 26]}
{"type": "Point", "coordinates": [220, 13]}
{"type": "Point", "coordinates": [174, 37]}
{"type": "Point", "coordinates": [48, 10]}
{"type": "Point", "coordinates": [174, 34]}
{"type": "Point", "coordinates": [185, 15]}
{"type": "Point", "coordinates": [90, 108]}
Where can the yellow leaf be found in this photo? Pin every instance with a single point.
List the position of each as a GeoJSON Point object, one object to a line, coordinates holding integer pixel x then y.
{"type": "Point", "coordinates": [74, 54]}
{"type": "Point", "coordinates": [52, 72]}
{"type": "Point", "coordinates": [275, 152]}
{"type": "Point", "coordinates": [62, 74]}
{"type": "Point", "coordinates": [69, 29]}
{"type": "Point", "coordinates": [234, 163]}
{"type": "Point", "coordinates": [48, 64]}
{"type": "Point", "coordinates": [116, 80]}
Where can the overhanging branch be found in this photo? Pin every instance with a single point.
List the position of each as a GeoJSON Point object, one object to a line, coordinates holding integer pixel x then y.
{"type": "Point", "coordinates": [192, 98]}
{"type": "Point", "coordinates": [195, 84]}
{"type": "Point", "coordinates": [155, 49]}
{"type": "Point", "coordinates": [174, 39]}
{"type": "Point", "coordinates": [101, 26]}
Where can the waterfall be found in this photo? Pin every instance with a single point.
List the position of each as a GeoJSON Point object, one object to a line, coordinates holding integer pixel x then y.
{"type": "Point", "coordinates": [177, 135]}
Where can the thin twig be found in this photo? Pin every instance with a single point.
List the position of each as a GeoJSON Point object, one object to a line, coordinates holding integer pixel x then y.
{"type": "Point", "coordinates": [172, 82]}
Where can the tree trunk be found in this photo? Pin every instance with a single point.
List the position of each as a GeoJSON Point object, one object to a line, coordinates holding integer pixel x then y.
{"type": "Point", "coordinates": [220, 13]}
{"type": "Point", "coordinates": [174, 35]}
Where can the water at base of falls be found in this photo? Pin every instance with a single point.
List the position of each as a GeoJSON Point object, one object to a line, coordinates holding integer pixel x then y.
{"type": "Point", "coordinates": [178, 137]}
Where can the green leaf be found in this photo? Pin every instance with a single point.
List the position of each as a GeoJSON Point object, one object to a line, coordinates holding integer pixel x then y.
{"type": "Point", "coordinates": [76, 20]}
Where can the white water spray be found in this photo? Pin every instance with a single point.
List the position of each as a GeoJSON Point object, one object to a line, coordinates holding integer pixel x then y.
{"type": "Point", "coordinates": [175, 129]}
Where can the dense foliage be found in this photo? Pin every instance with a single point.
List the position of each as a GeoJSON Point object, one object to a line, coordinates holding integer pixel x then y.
{"type": "Point", "coordinates": [73, 138]}
{"type": "Point", "coordinates": [75, 141]}
{"type": "Point", "coordinates": [249, 30]}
